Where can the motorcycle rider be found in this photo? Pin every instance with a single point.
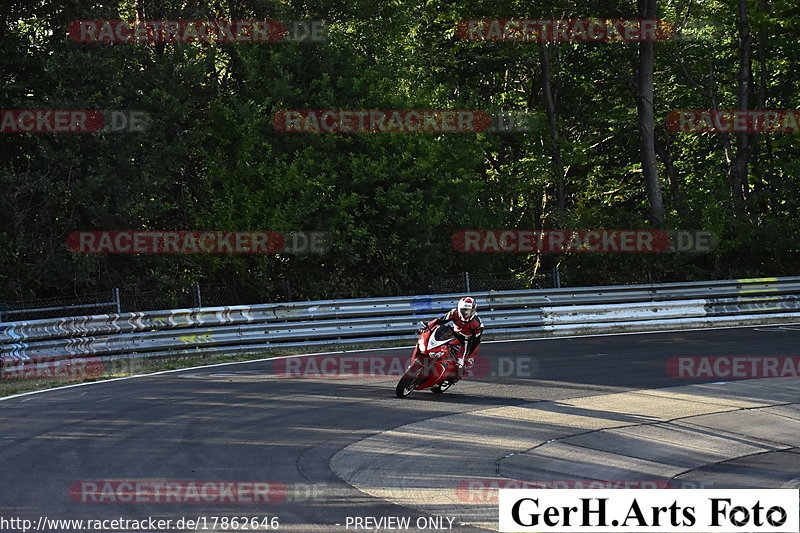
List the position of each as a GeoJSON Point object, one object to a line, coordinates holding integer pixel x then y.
{"type": "Point", "coordinates": [468, 329]}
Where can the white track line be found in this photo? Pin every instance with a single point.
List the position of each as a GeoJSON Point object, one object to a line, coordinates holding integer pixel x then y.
{"type": "Point", "coordinates": [30, 393]}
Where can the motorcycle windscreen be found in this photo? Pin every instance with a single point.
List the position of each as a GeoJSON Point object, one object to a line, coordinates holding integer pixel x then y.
{"type": "Point", "coordinates": [436, 374]}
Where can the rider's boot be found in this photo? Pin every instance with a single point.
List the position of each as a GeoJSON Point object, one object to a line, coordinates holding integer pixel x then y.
{"type": "Point", "coordinates": [461, 368]}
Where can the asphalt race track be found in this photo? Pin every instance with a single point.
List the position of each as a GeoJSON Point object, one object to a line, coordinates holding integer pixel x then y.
{"type": "Point", "coordinates": [243, 423]}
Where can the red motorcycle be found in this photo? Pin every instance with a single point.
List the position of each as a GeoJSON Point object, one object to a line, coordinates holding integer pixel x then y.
{"type": "Point", "coordinates": [434, 363]}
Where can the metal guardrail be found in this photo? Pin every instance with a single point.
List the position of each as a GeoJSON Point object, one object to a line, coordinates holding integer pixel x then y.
{"type": "Point", "coordinates": [340, 323]}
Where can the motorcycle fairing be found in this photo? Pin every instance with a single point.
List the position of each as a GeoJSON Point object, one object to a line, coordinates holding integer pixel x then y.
{"type": "Point", "coordinates": [435, 375]}
{"type": "Point", "coordinates": [429, 341]}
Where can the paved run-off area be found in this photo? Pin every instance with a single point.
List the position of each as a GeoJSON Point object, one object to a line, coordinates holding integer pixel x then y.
{"type": "Point", "coordinates": [721, 435]}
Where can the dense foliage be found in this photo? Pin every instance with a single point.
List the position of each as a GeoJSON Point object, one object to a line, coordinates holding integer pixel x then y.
{"type": "Point", "coordinates": [211, 158]}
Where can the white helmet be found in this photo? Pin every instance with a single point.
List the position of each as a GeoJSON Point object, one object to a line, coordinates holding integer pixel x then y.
{"type": "Point", "coordinates": [467, 307]}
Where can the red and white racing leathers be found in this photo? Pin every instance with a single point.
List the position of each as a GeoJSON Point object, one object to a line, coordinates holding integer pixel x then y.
{"type": "Point", "coordinates": [468, 332]}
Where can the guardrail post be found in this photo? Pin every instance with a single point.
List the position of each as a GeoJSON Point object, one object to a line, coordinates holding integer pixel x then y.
{"type": "Point", "coordinates": [466, 282]}
{"type": "Point", "coordinates": [115, 296]}
{"type": "Point", "coordinates": [287, 290]}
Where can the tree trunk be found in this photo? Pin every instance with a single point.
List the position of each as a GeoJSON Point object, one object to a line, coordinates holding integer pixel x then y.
{"type": "Point", "coordinates": [644, 97]}
{"type": "Point", "coordinates": [737, 169]}
{"type": "Point", "coordinates": [552, 120]}
{"type": "Point", "coordinates": [672, 175]}
{"type": "Point", "coordinates": [759, 187]}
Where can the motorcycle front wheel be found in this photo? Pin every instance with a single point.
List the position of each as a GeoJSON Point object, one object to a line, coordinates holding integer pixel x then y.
{"type": "Point", "coordinates": [406, 385]}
